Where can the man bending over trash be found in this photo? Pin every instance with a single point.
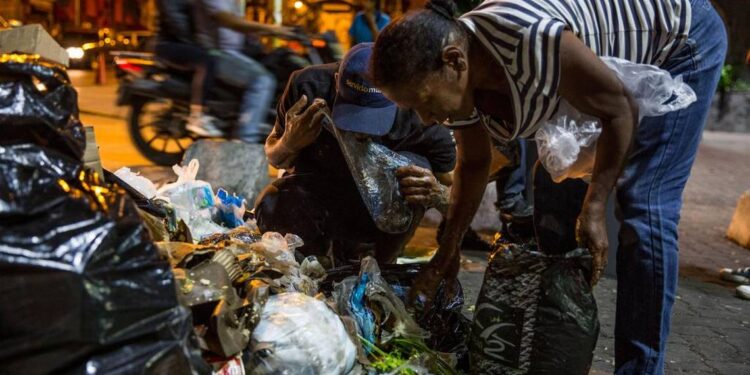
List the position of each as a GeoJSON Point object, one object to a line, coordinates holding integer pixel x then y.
{"type": "Point", "coordinates": [317, 198]}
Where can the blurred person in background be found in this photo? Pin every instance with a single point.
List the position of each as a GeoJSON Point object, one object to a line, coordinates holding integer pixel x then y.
{"type": "Point", "coordinates": [176, 47]}
{"type": "Point", "coordinates": [222, 30]}
{"type": "Point", "coordinates": [368, 22]}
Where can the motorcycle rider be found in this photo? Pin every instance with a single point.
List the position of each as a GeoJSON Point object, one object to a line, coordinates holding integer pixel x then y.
{"type": "Point", "coordinates": [221, 29]}
{"type": "Point", "coordinates": [176, 47]}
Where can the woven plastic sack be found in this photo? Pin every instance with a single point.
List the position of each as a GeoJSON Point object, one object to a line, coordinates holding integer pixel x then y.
{"type": "Point", "coordinates": [536, 313]}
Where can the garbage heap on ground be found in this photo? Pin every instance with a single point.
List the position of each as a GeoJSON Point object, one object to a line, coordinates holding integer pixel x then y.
{"type": "Point", "coordinates": [114, 275]}
{"type": "Point", "coordinates": [104, 274]}
{"type": "Point", "coordinates": [256, 298]}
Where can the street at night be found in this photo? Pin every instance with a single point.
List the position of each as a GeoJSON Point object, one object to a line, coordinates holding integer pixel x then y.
{"type": "Point", "coordinates": [374, 187]}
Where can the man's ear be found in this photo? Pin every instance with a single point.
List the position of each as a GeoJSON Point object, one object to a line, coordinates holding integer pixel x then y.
{"type": "Point", "coordinates": [455, 58]}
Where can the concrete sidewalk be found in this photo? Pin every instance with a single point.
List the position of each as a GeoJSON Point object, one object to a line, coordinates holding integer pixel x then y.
{"type": "Point", "coordinates": [710, 330]}
{"type": "Point", "coordinates": [99, 100]}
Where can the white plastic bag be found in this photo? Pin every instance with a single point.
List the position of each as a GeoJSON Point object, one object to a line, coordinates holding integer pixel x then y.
{"type": "Point", "coordinates": [566, 143]}
{"type": "Point", "coordinates": [298, 334]}
{"type": "Point", "coordinates": [192, 200]}
{"type": "Point", "coordinates": [141, 184]}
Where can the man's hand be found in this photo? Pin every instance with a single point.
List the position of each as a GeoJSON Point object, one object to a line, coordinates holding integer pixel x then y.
{"type": "Point", "coordinates": [303, 127]}
{"type": "Point", "coordinates": [441, 269]}
{"type": "Point", "coordinates": [591, 233]}
{"type": "Point", "coordinates": [419, 186]}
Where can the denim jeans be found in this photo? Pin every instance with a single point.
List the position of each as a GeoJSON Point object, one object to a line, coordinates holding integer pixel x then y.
{"type": "Point", "coordinates": [511, 182]}
{"type": "Point", "coordinates": [649, 199]}
{"type": "Point", "coordinates": [187, 57]}
{"type": "Point", "coordinates": [236, 69]}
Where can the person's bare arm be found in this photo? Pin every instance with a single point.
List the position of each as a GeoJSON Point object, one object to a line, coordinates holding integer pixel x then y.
{"type": "Point", "coordinates": [470, 181]}
{"type": "Point", "coordinates": [592, 88]}
{"type": "Point", "coordinates": [445, 178]}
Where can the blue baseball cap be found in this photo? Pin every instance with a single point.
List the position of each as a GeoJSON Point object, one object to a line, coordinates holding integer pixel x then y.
{"type": "Point", "coordinates": [359, 106]}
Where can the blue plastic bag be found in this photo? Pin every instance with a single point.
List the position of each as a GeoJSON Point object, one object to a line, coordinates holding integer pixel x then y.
{"type": "Point", "coordinates": [231, 209]}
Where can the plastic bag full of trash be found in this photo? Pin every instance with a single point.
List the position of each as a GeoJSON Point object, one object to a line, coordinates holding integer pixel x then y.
{"type": "Point", "coordinates": [298, 334]}
{"type": "Point", "coordinates": [193, 201]}
{"type": "Point", "coordinates": [547, 308]}
{"type": "Point", "coordinates": [566, 144]}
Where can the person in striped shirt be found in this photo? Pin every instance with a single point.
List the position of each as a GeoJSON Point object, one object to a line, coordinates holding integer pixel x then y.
{"type": "Point", "coordinates": [500, 70]}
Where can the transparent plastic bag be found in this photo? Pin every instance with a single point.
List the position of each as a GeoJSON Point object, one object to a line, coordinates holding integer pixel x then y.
{"type": "Point", "coordinates": [298, 334]}
{"type": "Point", "coordinates": [566, 144]}
{"type": "Point", "coordinates": [373, 167]}
{"type": "Point", "coordinates": [141, 184]}
{"type": "Point", "coordinates": [193, 201]}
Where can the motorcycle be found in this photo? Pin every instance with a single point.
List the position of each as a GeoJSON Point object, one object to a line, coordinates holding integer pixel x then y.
{"type": "Point", "coordinates": [159, 95]}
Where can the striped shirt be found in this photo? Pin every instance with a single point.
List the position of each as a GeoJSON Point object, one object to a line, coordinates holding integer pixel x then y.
{"type": "Point", "coordinates": [524, 37]}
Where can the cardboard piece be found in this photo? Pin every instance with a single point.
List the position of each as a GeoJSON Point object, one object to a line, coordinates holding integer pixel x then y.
{"type": "Point", "coordinates": [33, 40]}
{"type": "Point", "coordinates": [739, 228]}
{"type": "Point", "coordinates": [91, 157]}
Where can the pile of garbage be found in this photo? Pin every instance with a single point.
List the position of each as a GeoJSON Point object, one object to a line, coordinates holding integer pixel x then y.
{"type": "Point", "coordinates": [255, 298]}
{"type": "Point", "coordinates": [130, 277]}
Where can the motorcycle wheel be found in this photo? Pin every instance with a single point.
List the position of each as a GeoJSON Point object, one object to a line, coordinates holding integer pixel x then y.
{"type": "Point", "coordinates": [157, 129]}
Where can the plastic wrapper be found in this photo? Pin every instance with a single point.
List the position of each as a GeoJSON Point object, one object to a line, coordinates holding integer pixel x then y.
{"type": "Point", "coordinates": [38, 105]}
{"type": "Point", "coordinates": [546, 309]}
{"type": "Point", "coordinates": [273, 259]}
{"type": "Point", "coordinates": [373, 167]}
{"type": "Point", "coordinates": [155, 207]}
{"type": "Point", "coordinates": [82, 287]}
{"type": "Point", "coordinates": [192, 200]}
{"type": "Point", "coordinates": [446, 327]}
{"type": "Point", "coordinates": [242, 234]}
{"type": "Point", "coordinates": [298, 334]}
{"type": "Point", "coordinates": [567, 143]}
{"type": "Point", "coordinates": [391, 311]}
{"type": "Point", "coordinates": [376, 308]}
{"type": "Point", "coordinates": [220, 316]}
{"type": "Point", "coordinates": [141, 184]}
{"type": "Point", "coordinates": [231, 209]}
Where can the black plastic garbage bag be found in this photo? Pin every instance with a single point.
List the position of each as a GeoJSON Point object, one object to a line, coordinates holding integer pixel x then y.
{"type": "Point", "coordinates": [82, 288]}
{"type": "Point", "coordinates": [38, 105]}
{"type": "Point", "coordinates": [536, 313]}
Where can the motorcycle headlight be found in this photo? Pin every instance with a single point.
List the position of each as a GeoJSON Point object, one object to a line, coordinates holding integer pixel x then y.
{"type": "Point", "coordinates": [75, 53]}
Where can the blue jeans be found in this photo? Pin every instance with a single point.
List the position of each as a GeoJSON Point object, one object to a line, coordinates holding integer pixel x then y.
{"type": "Point", "coordinates": [236, 69]}
{"type": "Point", "coordinates": [649, 199]}
{"type": "Point", "coordinates": [511, 182]}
